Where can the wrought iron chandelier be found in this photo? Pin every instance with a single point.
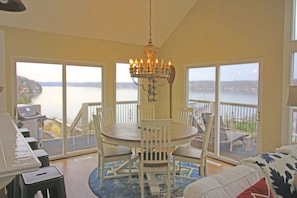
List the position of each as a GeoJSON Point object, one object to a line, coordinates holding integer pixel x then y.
{"type": "Point", "coordinates": [12, 5]}
{"type": "Point", "coordinates": [149, 67]}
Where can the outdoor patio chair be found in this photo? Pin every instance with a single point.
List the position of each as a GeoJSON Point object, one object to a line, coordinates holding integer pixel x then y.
{"type": "Point", "coordinates": [155, 152]}
{"type": "Point", "coordinates": [109, 153]}
{"type": "Point", "coordinates": [230, 137]}
{"type": "Point", "coordinates": [193, 155]}
{"type": "Point", "coordinates": [227, 136]}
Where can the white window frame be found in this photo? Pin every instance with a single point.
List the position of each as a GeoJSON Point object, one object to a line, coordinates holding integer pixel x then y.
{"type": "Point", "coordinates": [289, 47]}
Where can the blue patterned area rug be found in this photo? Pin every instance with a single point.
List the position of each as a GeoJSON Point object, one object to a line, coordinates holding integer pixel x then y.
{"type": "Point", "coordinates": [121, 188]}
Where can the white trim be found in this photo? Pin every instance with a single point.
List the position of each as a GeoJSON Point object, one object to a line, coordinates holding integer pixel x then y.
{"type": "Point", "coordinates": [3, 107]}
{"type": "Point", "coordinates": [288, 48]}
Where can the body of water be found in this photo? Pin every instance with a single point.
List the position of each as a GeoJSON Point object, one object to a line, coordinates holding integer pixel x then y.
{"type": "Point", "coordinates": [51, 103]}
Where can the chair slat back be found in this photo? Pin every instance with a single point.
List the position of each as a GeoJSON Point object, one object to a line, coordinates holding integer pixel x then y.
{"type": "Point", "coordinates": [185, 115]}
{"type": "Point", "coordinates": [155, 141]}
{"type": "Point", "coordinates": [98, 128]}
{"type": "Point", "coordinates": [145, 112]}
{"type": "Point", "coordinates": [206, 138]}
{"type": "Point", "coordinates": [105, 116]}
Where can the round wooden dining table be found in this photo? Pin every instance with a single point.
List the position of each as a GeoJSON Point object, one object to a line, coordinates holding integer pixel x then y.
{"type": "Point", "coordinates": [129, 134]}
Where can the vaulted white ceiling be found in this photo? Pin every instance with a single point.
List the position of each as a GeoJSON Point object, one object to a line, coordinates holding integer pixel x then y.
{"type": "Point", "coordinates": [124, 21]}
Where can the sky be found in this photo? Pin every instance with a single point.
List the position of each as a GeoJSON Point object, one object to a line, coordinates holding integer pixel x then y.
{"type": "Point", "coordinates": [227, 72]}
{"type": "Point", "coordinates": [53, 72]}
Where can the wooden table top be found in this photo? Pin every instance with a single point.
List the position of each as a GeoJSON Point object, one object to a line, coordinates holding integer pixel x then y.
{"type": "Point", "coordinates": [129, 134]}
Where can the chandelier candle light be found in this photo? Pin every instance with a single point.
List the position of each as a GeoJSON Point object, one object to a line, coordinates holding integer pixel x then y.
{"type": "Point", "coordinates": [151, 69]}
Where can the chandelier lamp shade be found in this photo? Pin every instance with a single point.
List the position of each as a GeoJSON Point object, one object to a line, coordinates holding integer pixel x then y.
{"type": "Point", "coordinates": [157, 72]}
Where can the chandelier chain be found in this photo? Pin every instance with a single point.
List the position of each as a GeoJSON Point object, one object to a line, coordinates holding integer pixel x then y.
{"type": "Point", "coordinates": [148, 67]}
{"type": "Point", "coordinates": [150, 22]}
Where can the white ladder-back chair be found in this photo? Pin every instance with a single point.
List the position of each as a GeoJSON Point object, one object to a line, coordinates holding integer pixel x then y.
{"type": "Point", "coordinates": [106, 115]}
{"type": "Point", "coordinates": [155, 151]}
{"type": "Point", "coordinates": [194, 155]}
{"type": "Point", "coordinates": [109, 153]}
{"type": "Point", "coordinates": [185, 115]}
{"type": "Point", "coordinates": [145, 112]}
{"type": "Point", "coordinates": [106, 118]}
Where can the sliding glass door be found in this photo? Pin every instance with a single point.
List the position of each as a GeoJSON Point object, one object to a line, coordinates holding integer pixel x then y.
{"type": "Point", "coordinates": [65, 97]}
{"type": "Point", "coordinates": [238, 110]}
{"type": "Point", "coordinates": [83, 93]}
{"type": "Point", "coordinates": [231, 92]}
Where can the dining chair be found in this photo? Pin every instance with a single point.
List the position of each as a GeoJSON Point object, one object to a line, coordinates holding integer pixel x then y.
{"type": "Point", "coordinates": [145, 112]}
{"type": "Point", "coordinates": [155, 152]}
{"type": "Point", "coordinates": [106, 118]}
{"type": "Point", "coordinates": [193, 155]}
{"type": "Point", "coordinates": [185, 115]}
{"type": "Point", "coordinates": [109, 153]}
{"type": "Point", "coordinates": [105, 115]}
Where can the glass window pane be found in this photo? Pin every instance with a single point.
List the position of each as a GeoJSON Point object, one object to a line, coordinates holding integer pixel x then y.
{"type": "Point", "coordinates": [126, 94]}
{"type": "Point", "coordinates": [238, 110]}
{"type": "Point", "coordinates": [126, 89]}
{"type": "Point", "coordinates": [201, 96]}
{"type": "Point", "coordinates": [84, 95]}
{"type": "Point", "coordinates": [40, 85]}
{"type": "Point", "coordinates": [202, 83]}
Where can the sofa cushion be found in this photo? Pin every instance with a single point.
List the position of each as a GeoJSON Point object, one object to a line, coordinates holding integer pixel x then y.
{"type": "Point", "coordinates": [228, 183]}
{"type": "Point", "coordinates": [259, 189]}
{"type": "Point", "coordinates": [295, 180]}
{"type": "Point", "coordinates": [279, 169]}
{"type": "Point", "coordinates": [288, 149]}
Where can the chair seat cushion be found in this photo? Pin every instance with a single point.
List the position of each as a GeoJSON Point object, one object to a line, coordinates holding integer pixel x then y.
{"type": "Point", "coordinates": [187, 152]}
{"type": "Point", "coordinates": [116, 151]}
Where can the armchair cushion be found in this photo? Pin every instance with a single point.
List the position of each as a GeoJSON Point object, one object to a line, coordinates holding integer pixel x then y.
{"type": "Point", "coordinates": [279, 169]}
{"type": "Point", "coordinates": [259, 189]}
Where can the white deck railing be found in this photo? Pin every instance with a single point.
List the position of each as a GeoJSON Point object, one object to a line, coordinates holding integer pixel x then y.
{"type": "Point", "coordinates": [236, 116]}
{"type": "Point", "coordinates": [244, 116]}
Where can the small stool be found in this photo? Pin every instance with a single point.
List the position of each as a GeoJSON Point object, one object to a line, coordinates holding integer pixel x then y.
{"type": "Point", "coordinates": [45, 178]}
{"type": "Point", "coordinates": [25, 132]}
{"type": "Point", "coordinates": [32, 142]}
{"type": "Point", "coordinates": [13, 187]}
{"type": "Point", "coordinates": [42, 155]}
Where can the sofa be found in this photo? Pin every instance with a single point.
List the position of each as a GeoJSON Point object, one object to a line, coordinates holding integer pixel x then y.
{"type": "Point", "coordinates": [270, 174]}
